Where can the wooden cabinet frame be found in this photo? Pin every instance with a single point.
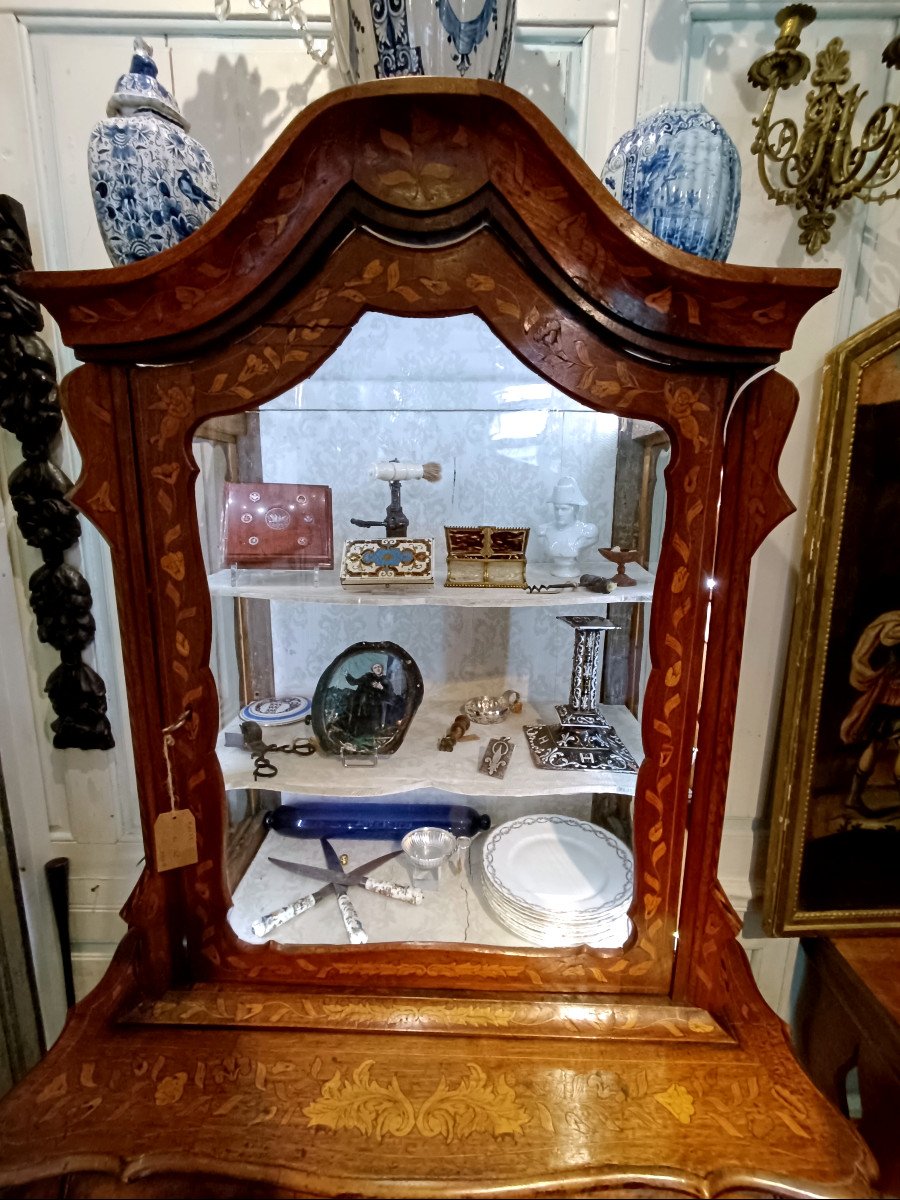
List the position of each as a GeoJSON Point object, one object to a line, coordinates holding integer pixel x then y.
{"type": "Point", "coordinates": [634, 1067]}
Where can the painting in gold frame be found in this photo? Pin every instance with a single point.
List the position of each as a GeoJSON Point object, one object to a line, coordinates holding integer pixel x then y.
{"type": "Point", "coordinates": [834, 858]}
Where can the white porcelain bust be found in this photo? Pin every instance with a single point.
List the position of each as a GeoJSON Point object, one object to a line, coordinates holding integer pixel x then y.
{"type": "Point", "coordinates": [567, 535]}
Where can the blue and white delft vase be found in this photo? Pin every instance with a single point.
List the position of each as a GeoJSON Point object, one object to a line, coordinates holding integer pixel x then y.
{"type": "Point", "coordinates": [152, 183]}
{"type": "Point", "coordinates": [377, 39]}
{"type": "Point", "coordinates": [679, 174]}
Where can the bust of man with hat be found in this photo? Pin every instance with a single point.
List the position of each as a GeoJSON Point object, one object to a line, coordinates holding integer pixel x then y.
{"type": "Point", "coordinates": [567, 535]}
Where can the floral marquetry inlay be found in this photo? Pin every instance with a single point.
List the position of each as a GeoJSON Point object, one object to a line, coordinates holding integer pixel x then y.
{"type": "Point", "coordinates": [406, 149]}
{"type": "Point", "coordinates": [473, 1105]}
{"type": "Point", "coordinates": [281, 1008]}
{"type": "Point", "coordinates": [425, 173]}
{"type": "Point", "coordinates": [477, 275]}
{"type": "Point", "coordinates": [460, 1101]}
{"type": "Point", "coordinates": [422, 1069]}
{"type": "Point", "coordinates": [319, 1112]}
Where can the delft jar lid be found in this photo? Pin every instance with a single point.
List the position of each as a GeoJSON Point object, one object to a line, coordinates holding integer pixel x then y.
{"type": "Point", "coordinates": [139, 89]}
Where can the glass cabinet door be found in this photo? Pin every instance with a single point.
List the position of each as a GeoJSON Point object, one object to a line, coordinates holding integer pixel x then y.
{"type": "Point", "coordinates": [431, 575]}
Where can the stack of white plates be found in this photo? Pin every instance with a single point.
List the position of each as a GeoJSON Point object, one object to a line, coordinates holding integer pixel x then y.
{"type": "Point", "coordinates": [558, 881]}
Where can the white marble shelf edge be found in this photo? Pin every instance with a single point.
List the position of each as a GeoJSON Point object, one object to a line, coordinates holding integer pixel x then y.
{"type": "Point", "coordinates": [455, 912]}
{"type": "Point", "coordinates": [419, 764]}
{"type": "Point", "coordinates": [300, 586]}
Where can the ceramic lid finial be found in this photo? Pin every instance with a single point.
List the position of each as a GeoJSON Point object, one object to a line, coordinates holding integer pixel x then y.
{"type": "Point", "coordinates": [142, 60]}
{"type": "Point", "coordinates": [140, 90]}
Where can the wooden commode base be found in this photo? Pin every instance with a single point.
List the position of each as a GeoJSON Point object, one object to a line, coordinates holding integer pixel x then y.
{"type": "Point", "coordinates": [225, 1091]}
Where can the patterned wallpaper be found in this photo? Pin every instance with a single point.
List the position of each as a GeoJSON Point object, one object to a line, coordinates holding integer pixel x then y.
{"type": "Point", "coordinates": [443, 390]}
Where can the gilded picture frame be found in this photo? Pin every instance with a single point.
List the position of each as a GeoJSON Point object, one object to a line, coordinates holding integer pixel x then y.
{"type": "Point", "coordinates": [834, 856]}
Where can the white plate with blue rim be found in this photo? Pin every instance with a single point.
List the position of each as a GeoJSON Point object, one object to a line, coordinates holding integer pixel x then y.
{"type": "Point", "coordinates": [277, 710]}
{"type": "Point", "coordinates": [552, 867]}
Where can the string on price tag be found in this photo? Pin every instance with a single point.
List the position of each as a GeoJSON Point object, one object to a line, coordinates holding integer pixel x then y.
{"type": "Point", "coordinates": [175, 831]}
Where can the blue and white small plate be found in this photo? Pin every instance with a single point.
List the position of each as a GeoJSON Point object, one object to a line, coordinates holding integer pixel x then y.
{"type": "Point", "coordinates": [277, 710]}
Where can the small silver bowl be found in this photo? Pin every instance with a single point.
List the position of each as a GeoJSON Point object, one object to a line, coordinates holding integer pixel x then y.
{"type": "Point", "coordinates": [489, 710]}
{"type": "Point", "coordinates": [428, 847]}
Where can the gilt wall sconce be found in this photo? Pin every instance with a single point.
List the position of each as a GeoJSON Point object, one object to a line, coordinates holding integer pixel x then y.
{"type": "Point", "coordinates": [817, 168]}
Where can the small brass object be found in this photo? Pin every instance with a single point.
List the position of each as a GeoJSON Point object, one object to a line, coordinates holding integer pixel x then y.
{"type": "Point", "coordinates": [455, 733]}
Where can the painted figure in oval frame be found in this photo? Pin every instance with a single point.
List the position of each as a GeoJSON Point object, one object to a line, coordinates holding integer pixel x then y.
{"type": "Point", "coordinates": [366, 699]}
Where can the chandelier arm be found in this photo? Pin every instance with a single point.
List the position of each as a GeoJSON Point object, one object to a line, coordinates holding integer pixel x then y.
{"type": "Point", "coordinates": [882, 197]}
{"type": "Point", "coordinates": [868, 193]}
{"type": "Point", "coordinates": [809, 164]}
{"type": "Point", "coordinates": [883, 171]}
{"type": "Point", "coordinates": [846, 160]}
{"type": "Point", "coordinates": [291, 11]}
{"type": "Point", "coordinates": [761, 123]}
{"type": "Point", "coordinates": [779, 145]}
{"type": "Point", "coordinates": [776, 142]}
{"type": "Point", "coordinates": [879, 135]}
{"type": "Point", "coordinates": [793, 178]}
{"type": "Point", "coordinates": [760, 148]}
{"type": "Point", "coordinates": [780, 195]}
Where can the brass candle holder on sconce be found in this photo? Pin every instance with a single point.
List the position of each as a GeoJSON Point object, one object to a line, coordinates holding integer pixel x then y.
{"type": "Point", "coordinates": [817, 168]}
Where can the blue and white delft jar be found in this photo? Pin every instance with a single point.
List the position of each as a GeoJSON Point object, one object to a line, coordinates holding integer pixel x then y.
{"type": "Point", "coordinates": [378, 39]}
{"type": "Point", "coordinates": [679, 174]}
{"type": "Point", "coordinates": [152, 183]}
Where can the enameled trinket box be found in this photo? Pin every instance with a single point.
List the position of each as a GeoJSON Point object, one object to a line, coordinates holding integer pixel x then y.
{"type": "Point", "coordinates": [388, 561]}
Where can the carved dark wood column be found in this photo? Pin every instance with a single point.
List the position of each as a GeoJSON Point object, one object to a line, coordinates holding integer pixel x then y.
{"type": "Point", "coordinates": [29, 409]}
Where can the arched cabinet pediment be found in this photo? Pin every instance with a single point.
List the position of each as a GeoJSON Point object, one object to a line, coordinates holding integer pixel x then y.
{"type": "Point", "coordinates": [419, 200]}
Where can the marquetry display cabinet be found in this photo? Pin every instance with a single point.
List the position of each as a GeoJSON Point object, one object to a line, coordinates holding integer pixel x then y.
{"type": "Point", "coordinates": [437, 1059]}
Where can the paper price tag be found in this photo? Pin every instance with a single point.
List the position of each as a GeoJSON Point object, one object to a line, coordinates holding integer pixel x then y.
{"type": "Point", "coordinates": [175, 835]}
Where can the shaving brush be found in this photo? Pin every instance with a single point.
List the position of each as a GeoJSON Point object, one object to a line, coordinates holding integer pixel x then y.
{"type": "Point", "coordinates": [400, 472]}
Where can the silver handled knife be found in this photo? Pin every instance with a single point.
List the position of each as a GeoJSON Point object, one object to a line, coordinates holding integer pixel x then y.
{"type": "Point", "coordinates": [281, 916]}
{"type": "Point", "coordinates": [358, 878]}
{"type": "Point", "coordinates": [349, 915]}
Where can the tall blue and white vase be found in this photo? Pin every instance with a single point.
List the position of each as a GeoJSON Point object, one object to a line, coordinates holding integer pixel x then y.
{"type": "Point", "coordinates": [153, 184]}
{"type": "Point", "coordinates": [679, 174]}
{"type": "Point", "coordinates": [378, 39]}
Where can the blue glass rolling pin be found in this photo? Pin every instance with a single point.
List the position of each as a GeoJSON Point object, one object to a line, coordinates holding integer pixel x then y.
{"type": "Point", "coordinates": [355, 819]}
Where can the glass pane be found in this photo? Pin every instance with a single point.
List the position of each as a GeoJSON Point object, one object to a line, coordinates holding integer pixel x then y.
{"type": "Point", "coordinates": [477, 661]}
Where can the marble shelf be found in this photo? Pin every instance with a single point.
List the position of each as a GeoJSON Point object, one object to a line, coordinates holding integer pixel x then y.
{"type": "Point", "coordinates": [419, 764]}
{"type": "Point", "coordinates": [454, 911]}
{"type": "Point", "coordinates": [325, 588]}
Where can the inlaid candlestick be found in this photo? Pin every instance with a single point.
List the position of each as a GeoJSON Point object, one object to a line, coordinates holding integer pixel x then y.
{"type": "Point", "coordinates": [583, 740]}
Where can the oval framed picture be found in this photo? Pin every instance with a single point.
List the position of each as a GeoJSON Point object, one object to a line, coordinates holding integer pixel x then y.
{"type": "Point", "coordinates": [366, 699]}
